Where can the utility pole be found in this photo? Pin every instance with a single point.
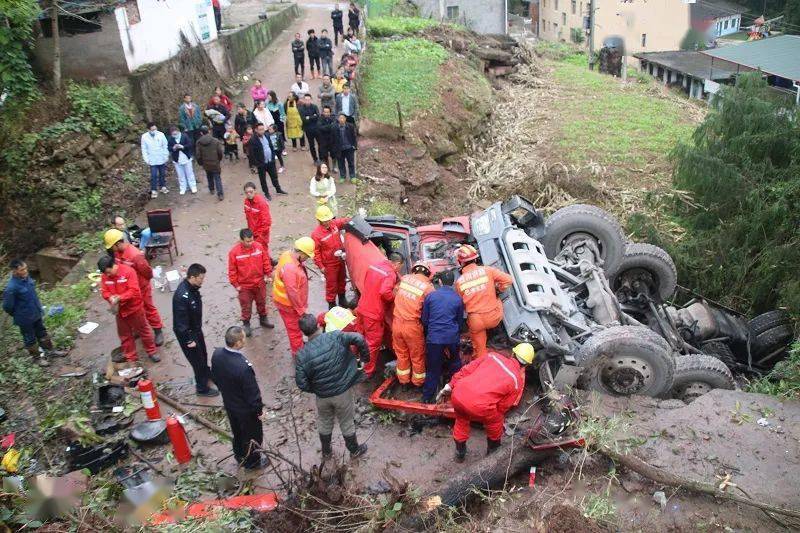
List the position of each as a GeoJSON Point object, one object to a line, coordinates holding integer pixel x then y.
{"type": "Point", "coordinates": [591, 34]}
{"type": "Point", "coordinates": [56, 44]}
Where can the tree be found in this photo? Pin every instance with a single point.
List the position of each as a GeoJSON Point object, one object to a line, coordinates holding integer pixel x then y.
{"type": "Point", "coordinates": [56, 44]}
{"type": "Point", "coordinates": [791, 17]}
{"type": "Point", "coordinates": [17, 82]}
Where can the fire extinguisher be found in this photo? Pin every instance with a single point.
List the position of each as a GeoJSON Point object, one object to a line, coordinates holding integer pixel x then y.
{"type": "Point", "coordinates": [180, 442]}
{"type": "Point", "coordinates": [149, 399]}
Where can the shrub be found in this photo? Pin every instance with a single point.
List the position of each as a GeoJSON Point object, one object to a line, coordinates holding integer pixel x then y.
{"type": "Point", "coordinates": [105, 106]}
{"type": "Point", "coordinates": [388, 26]}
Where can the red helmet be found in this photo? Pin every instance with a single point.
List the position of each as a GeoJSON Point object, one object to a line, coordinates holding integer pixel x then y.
{"type": "Point", "coordinates": [466, 254]}
{"type": "Point", "coordinates": [421, 265]}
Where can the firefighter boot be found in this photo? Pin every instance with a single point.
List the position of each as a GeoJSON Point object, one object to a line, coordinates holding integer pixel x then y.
{"type": "Point", "coordinates": [342, 300]}
{"type": "Point", "coordinates": [265, 322]}
{"type": "Point", "coordinates": [461, 451]}
{"type": "Point", "coordinates": [246, 327]}
{"type": "Point", "coordinates": [332, 304]}
{"type": "Point", "coordinates": [38, 356]}
{"type": "Point", "coordinates": [492, 445]}
{"type": "Point", "coordinates": [355, 449]}
{"type": "Point", "coordinates": [158, 337]}
{"type": "Point", "coordinates": [47, 344]}
{"type": "Point", "coordinates": [327, 449]}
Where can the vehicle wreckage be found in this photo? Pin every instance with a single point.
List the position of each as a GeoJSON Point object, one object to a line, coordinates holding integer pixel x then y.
{"type": "Point", "coordinates": [600, 311]}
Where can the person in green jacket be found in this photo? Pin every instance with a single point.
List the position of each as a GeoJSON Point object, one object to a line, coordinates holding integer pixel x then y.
{"type": "Point", "coordinates": [191, 117]}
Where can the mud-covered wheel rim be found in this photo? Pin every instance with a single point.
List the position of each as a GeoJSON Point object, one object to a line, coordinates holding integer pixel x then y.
{"type": "Point", "coordinates": [693, 390]}
{"type": "Point", "coordinates": [626, 375]}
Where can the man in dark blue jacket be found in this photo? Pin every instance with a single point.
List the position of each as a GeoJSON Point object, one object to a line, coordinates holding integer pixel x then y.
{"type": "Point", "coordinates": [338, 25]}
{"type": "Point", "coordinates": [187, 318]}
{"type": "Point", "coordinates": [234, 375]}
{"type": "Point", "coordinates": [21, 302]}
{"type": "Point", "coordinates": [325, 367]}
{"type": "Point", "coordinates": [442, 316]}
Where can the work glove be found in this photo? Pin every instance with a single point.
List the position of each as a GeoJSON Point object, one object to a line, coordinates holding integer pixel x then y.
{"type": "Point", "coordinates": [340, 254]}
{"type": "Point", "coordinates": [362, 212]}
{"type": "Point", "coordinates": [444, 393]}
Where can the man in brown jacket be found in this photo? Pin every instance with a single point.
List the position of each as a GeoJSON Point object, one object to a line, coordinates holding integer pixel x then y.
{"type": "Point", "coordinates": [209, 153]}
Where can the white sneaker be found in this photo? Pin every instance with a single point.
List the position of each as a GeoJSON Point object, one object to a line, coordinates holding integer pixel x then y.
{"type": "Point", "coordinates": [154, 194]}
{"type": "Point", "coordinates": [284, 152]}
{"type": "Point", "coordinates": [280, 170]}
{"type": "Point", "coordinates": [194, 190]}
{"type": "Point", "coordinates": [164, 190]}
{"type": "Point", "coordinates": [182, 192]}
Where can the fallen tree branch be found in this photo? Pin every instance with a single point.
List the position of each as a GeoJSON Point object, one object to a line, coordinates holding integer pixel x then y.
{"type": "Point", "coordinates": [666, 478]}
{"type": "Point", "coordinates": [197, 418]}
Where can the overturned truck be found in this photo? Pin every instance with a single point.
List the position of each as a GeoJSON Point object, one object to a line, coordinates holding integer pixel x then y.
{"type": "Point", "coordinates": [596, 307]}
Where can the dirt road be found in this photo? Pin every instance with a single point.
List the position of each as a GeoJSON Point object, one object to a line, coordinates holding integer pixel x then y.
{"type": "Point", "coordinates": [206, 229]}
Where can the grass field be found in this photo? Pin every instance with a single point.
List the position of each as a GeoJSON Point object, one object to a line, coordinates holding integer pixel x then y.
{"type": "Point", "coordinates": [404, 71]}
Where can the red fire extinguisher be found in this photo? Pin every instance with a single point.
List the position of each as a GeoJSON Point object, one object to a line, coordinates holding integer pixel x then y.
{"type": "Point", "coordinates": [180, 443]}
{"type": "Point", "coordinates": [149, 399]}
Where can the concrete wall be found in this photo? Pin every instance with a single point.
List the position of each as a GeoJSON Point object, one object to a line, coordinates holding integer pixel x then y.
{"type": "Point", "coordinates": [89, 56]}
{"type": "Point", "coordinates": [163, 29]}
{"type": "Point", "coordinates": [482, 16]}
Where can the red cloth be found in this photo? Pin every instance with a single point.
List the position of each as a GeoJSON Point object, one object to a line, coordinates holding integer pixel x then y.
{"type": "Point", "coordinates": [223, 99]}
{"type": "Point", "coordinates": [291, 278]}
{"type": "Point", "coordinates": [248, 266]}
{"type": "Point", "coordinates": [128, 327]}
{"type": "Point", "coordinates": [372, 329]}
{"type": "Point", "coordinates": [259, 219]}
{"type": "Point", "coordinates": [408, 342]}
{"type": "Point", "coordinates": [291, 321]}
{"type": "Point", "coordinates": [335, 281]}
{"type": "Point", "coordinates": [327, 242]}
{"type": "Point", "coordinates": [378, 291]}
{"type": "Point", "coordinates": [484, 391]}
{"type": "Point", "coordinates": [135, 258]}
{"type": "Point", "coordinates": [125, 285]}
{"type": "Point", "coordinates": [248, 295]}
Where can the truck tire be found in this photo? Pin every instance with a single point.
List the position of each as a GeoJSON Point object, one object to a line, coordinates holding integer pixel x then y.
{"type": "Point", "coordinates": [648, 265]}
{"type": "Point", "coordinates": [696, 374]}
{"type": "Point", "coordinates": [625, 360]}
{"type": "Point", "coordinates": [585, 220]}
{"type": "Point", "coordinates": [767, 321]}
{"type": "Point", "coordinates": [721, 351]}
{"type": "Point", "coordinates": [767, 342]}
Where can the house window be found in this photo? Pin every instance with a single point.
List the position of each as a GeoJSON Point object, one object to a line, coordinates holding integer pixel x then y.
{"type": "Point", "coordinates": [574, 6]}
{"type": "Point", "coordinates": [725, 26]}
{"type": "Point", "coordinates": [555, 27]}
{"type": "Point", "coordinates": [644, 39]}
{"type": "Point", "coordinates": [452, 12]}
{"type": "Point", "coordinates": [544, 4]}
{"type": "Point", "coordinates": [735, 23]}
{"type": "Point", "coordinates": [564, 19]}
{"type": "Point", "coordinates": [556, 1]}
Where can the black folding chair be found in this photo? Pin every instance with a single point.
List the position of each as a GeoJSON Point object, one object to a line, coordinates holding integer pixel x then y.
{"type": "Point", "coordinates": [162, 234]}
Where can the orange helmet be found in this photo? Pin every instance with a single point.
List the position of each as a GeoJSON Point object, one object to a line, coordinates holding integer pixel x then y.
{"type": "Point", "coordinates": [466, 254]}
{"type": "Point", "coordinates": [423, 266]}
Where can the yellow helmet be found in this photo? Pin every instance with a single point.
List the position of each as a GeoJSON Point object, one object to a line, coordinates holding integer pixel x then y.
{"type": "Point", "coordinates": [324, 213]}
{"type": "Point", "coordinates": [338, 318]}
{"type": "Point", "coordinates": [112, 237]}
{"type": "Point", "coordinates": [524, 352]}
{"type": "Point", "coordinates": [305, 245]}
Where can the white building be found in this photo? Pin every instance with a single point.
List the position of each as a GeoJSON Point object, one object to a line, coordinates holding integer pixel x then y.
{"type": "Point", "coordinates": [716, 18]}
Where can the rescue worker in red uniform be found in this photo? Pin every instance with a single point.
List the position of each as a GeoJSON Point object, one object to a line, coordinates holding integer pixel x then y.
{"type": "Point", "coordinates": [377, 295]}
{"type": "Point", "coordinates": [478, 286]}
{"type": "Point", "coordinates": [249, 267]}
{"type": "Point", "coordinates": [257, 214]}
{"type": "Point", "coordinates": [484, 391]}
{"type": "Point", "coordinates": [290, 289]}
{"type": "Point", "coordinates": [408, 336]}
{"type": "Point", "coordinates": [119, 285]}
{"type": "Point", "coordinates": [329, 254]}
{"type": "Point", "coordinates": [127, 254]}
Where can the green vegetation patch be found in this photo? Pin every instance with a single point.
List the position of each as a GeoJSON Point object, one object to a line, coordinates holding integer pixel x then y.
{"type": "Point", "coordinates": [404, 71]}
{"type": "Point", "coordinates": [388, 26]}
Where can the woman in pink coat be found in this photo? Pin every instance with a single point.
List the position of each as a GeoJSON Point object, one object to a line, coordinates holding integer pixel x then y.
{"type": "Point", "coordinates": [258, 92]}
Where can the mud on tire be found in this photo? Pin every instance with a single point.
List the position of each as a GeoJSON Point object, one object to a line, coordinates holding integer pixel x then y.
{"type": "Point", "coordinates": [585, 219]}
{"type": "Point", "coordinates": [770, 341]}
{"type": "Point", "coordinates": [721, 351]}
{"type": "Point", "coordinates": [697, 374]}
{"type": "Point", "coordinates": [767, 321]}
{"type": "Point", "coordinates": [648, 266]}
{"type": "Point", "coordinates": [625, 360]}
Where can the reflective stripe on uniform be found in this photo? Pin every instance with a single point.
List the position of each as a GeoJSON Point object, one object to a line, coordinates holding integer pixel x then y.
{"type": "Point", "coordinates": [474, 283]}
{"type": "Point", "coordinates": [403, 372]}
{"type": "Point", "coordinates": [509, 372]}
{"type": "Point", "coordinates": [376, 269]}
{"type": "Point", "coordinates": [411, 288]}
{"type": "Point", "coordinates": [418, 376]}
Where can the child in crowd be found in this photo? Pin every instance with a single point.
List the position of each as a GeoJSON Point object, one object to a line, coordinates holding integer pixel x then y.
{"type": "Point", "coordinates": [231, 143]}
{"type": "Point", "coordinates": [248, 133]}
{"type": "Point", "coordinates": [277, 141]}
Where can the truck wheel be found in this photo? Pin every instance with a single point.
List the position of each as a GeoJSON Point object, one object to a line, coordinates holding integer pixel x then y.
{"type": "Point", "coordinates": [625, 360]}
{"type": "Point", "coordinates": [644, 267]}
{"type": "Point", "coordinates": [767, 321]}
{"type": "Point", "coordinates": [721, 351]}
{"type": "Point", "coordinates": [771, 340]}
{"type": "Point", "coordinates": [696, 374]}
{"type": "Point", "coordinates": [585, 221]}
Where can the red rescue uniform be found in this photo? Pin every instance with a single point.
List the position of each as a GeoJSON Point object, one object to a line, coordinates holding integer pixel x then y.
{"type": "Point", "coordinates": [326, 243]}
{"type": "Point", "coordinates": [259, 219]}
{"type": "Point", "coordinates": [135, 258]}
{"type": "Point", "coordinates": [378, 293]}
{"type": "Point", "coordinates": [290, 294]}
{"type": "Point", "coordinates": [247, 268]}
{"type": "Point", "coordinates": [131, 320]}
{"type": "Point", "coordinates": [408, 337]}
{"type": "Point", "coordinates": [484, 391]}
{"type": "Point", "coordinates": [478, 287]}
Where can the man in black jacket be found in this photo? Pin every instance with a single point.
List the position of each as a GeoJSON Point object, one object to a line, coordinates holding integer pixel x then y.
{"type": "Point", "coordinates": [312, 47]}
{"type": "Point", "coordinates": [338, 25]}
{"type": "Point", "coordinates": [326, 53]}
{"type": "Point", "coordinates": [299, 53]}
{"type": "Point", "coordinates": [326, 127]}
{"type": "Point", "coordinates": [187, 317]}
{"type": "Point", "coordinates": [234, 376]}
{"type": "Point", "coordinates": [346, 145]}
{"type": "Point", "coordinates": [325, 367]}
{"type": "Point", "coordinates": [310, 115]}
{"type": "Point", "coordinates": [354, 17]}
{"type": "Point", "coordinates": [262, 154]}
